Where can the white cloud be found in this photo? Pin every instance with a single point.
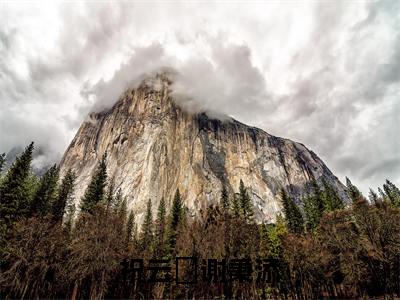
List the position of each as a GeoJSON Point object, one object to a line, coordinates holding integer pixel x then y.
{"type": "Point", "coordinates": [322, 73]}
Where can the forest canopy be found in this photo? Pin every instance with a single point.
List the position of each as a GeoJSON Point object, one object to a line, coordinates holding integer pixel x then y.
{"type": "Point", "coordinates": [319, 247]}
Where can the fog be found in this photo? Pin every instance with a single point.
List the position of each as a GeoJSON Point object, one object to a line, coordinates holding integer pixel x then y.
{"type": "Point", "coordinates": [322, 73]}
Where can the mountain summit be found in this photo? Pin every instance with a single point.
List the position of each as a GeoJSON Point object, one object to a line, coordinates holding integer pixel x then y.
{"type": "Point", "coordinates": [155, 147]}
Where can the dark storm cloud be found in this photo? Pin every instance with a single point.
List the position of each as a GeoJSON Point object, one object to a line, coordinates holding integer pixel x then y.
{"type": "Point", "coordinates": [323, 73]}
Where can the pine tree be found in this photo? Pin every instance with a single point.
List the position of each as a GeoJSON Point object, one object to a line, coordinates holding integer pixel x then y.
{"type": "Point", "coordinates": [236, 205]}
{"type": "Point", "coordinates": [314, 206]}
{"type": "Point", "coordinates": [330, 199]}
{"type": "Point", "coordinates": [246, 206]}
{"type": "Point", "coordinates": [110, 194]}
{"type": "Point", "coordinates": [392, 192]}
{"type": "Point", "coordinates": [353, 192]}
{"type": "Point", "coordinates": [130, 224]}
{"type": "Point", "coordinates": [160, 229]}
{"type": "Point", "coordinates": [177, 209]}
{"type": "Point", "coordinates": [46, 193]}
{"type": "Point", "coordinates": [175, 218]}
{"type": "Point", "coordinates": [96, 189]}
{"type": "Point", "coordinates": [382, 194]}
{"type": "Point", "coordinates": [15, 190]}
{"type": "Point", "coordinates": [294, 218]}
{"type": "Point", "coordinates": [225, 199]}
{"type": "Point", "coordinates": [318, 195]}
{"type": "Point", "coordinates": [373, 197]}
{"type": "Point", "coordinates": [147, 227]}
{"type": "Point", "coordinates": [64, 196]}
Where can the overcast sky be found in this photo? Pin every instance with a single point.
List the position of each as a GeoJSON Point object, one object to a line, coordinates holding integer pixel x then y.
{"type": "Point", "coordinates": [323, 73]}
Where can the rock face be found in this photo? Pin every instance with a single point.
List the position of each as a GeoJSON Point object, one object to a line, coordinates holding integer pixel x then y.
{"type": "Point", "coordinates": [154, 147]}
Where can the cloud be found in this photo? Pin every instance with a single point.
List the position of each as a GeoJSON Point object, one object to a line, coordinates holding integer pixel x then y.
{"type": "Point", "coordinates": [324, 74]}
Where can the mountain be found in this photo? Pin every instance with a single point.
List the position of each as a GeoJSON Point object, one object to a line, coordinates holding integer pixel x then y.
{"type": "Point", "coordinates": [155, 147]}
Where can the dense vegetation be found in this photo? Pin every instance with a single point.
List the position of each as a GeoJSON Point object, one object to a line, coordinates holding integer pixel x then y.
{"type": "Point", "coordinates": [320, 247]}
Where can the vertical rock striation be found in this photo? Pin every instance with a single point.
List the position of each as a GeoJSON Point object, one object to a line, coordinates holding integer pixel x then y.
{"type": "Point", "coordinates": [154, 147]}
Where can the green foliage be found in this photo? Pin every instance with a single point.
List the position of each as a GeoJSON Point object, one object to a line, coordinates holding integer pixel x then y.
{"type": "Point", "coordinates": [352, 252]}
{"type": "Point", "coordinates": [225, 199]}
{"type": "Point", "coordinates": [353, 192]}
{"type": "Point", "coordinates": [160, 229]}
{"type": "Point", "coordinates": [314, 206]}
{"type": "Point", "coordinates": [161, 213]}
{"type": "Point", "coordinates": [275, 236]}
{"type": "Point", "coordinates": [175, 218]}
{"type": "Point", "coordinates": [271, 238]}
{"type": "Point", "coordinates": [17, 188]}
{"type": "Point", "coordinates": [130, 225]}
{"type": "Point", "coordinates": [46, 193]}
{"type": "Point", "coordinates": [95, 191]}
{"type": "Point", "coordinates": [392, 192]}
{"type": "Point", "coordinates": [294, 218]}
{"type": "Point", "coordinates": [147, 227]}
{"type": "Point", "coordinates": [382, 195]}
{"type": "Point", "coordinates": [330, 199]}
{"type": "Point", "coordinates": [177, 210]}
{"type": "Point", "coordinates": [373, 197]}
{"type": "Point", "coordinates": [64, 196]}
{"type": "Point", "coordinates": [246, 206]}
{"type": "Point", "coordinates": [110, 198]}
{"type": "Point", "coordinates": [236, 205]}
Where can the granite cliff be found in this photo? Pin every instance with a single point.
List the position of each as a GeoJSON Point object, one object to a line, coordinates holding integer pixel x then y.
{"type": "Point", "coordinates": [155, 147]}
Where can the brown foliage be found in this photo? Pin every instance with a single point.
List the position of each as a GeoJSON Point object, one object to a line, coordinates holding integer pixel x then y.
{"type": "Point", "coordinates": [34, 258]}
{"type": "Point", "coordinates": [96, 251]}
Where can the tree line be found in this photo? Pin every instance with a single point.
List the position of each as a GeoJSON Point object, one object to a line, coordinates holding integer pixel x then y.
{"type": "Point", "coordinates": [321, 246]}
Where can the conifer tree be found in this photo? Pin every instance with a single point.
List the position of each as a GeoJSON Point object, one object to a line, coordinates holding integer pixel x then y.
{"type": "Point", "coordinates": [15, 189]}
{"type": "Point", "coordinates": [392, 192]}
{"type": "Point", "coordinates": [312, 213]}
{"type": "Point", "coordinates": [382, 195]}
{"type": "Point", "coordinates": [64, 196]}
{"type": "Point", "coordinates": [330, 199]}
{"type": "Point", "coordinates": [245, 202]}
{"type": "Point", "coordinates": [315, 204]}
{"type": "Point", "coordinates": [373, 197]}
{"type": "Point", "coordinates": [224, 199]}
{"type": "Point", "coordinates": [318, 195]}
{"type": "Point", "coordinates": [294, 218]}
{"type": "Point", "coordinates": [177, 209]}
{"type": "Point", "coordinates": [160, 228]}
{"type": "Point", "coordinates": [147, 227]}
{"type": "Point", "coordinates": [130, 224]}
{"type": "Point", "coordinates": [96, 189]}
{"type": "Point", "coordinates": [110, 194]}
{"type": "Point", "coordinates": [175, 218]}
{"type": "Point", "coordinates": [236, 205]}
{"type": "Point", "coordinates": [135, 233]}
{"type": "Point", "coordinates": [353, 191]}
{"type": "Point", "coordinates": [46, 193]}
